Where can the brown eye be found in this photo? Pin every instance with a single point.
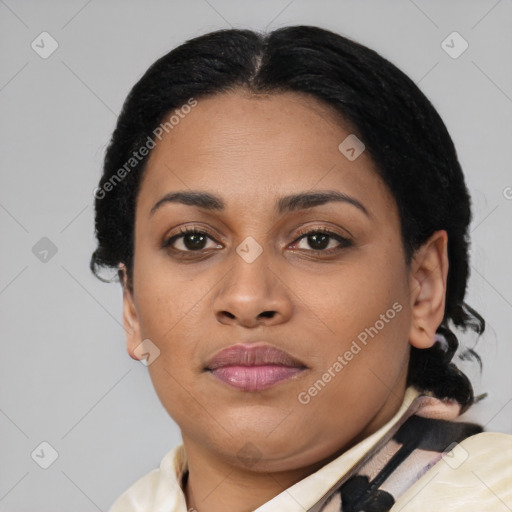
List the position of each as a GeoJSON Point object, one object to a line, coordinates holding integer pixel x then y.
{"type": "Point", "coordinates": [189, 240]}
{"type": "Point", "coordinates": [318, 241]}
{"type": "Point", "coordinates": [323, 241]}
{"type": "Point", "coordinates": [194, 241]}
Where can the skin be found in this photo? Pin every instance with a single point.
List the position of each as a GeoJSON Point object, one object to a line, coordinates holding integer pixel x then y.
{"type": "Point", "coordinates": [251, 150]}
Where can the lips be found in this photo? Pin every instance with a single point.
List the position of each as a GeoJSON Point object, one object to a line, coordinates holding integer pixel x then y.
{"type": "Point", "coordinates": [253, 367]}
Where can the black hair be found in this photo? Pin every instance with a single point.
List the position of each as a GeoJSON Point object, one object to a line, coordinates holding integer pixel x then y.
{"type": "Point", "coordinates": [398, 125]}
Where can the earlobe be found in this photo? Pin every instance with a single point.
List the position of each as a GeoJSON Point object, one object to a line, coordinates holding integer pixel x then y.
{"type": "Point", "coordinates": [130, 318]}
{"type": "Point", "coordinates": [428, 278]}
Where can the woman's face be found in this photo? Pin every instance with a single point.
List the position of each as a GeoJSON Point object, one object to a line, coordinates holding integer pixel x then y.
{"type": "Point", "coordinates": [338, 304]}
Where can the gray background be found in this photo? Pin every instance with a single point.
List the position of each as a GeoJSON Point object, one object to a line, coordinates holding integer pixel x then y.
{"type": "Point", "coordinates": [65, 377]}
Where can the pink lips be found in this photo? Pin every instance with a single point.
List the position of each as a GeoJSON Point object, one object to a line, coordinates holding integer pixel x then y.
{"type": "Point", "coordinates": [251, 367]}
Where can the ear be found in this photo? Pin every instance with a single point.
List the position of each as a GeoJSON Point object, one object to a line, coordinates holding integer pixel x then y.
{"type": "Point", "coordinates": [130, 318]}
{"type": "Point", "coordinates": [428, 278]}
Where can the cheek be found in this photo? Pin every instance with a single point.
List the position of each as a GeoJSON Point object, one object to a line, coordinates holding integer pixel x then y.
{"type": "Point", "coordinates": [169, 315]}
{"type": "Point", "coordinates": [366, 308]}
{"type": "Point", "coordinates": [355, 296]}
{"type": "Point", "coordinates": [163, 295]}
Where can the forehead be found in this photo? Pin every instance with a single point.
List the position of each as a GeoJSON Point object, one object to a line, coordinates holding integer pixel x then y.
{"type": "Point", "coordinates": [254, 147]}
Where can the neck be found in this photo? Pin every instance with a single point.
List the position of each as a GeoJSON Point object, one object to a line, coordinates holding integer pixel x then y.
{"type": "Point", "coordinates": [214, 484]}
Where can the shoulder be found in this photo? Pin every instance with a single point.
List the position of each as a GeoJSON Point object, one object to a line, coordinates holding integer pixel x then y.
{"type": "Point", "coordinates": [475, 475]}
{"type": "Point", "coordinates": [157, 491]}
{"type": "Point", "coordinates": [139, 496]}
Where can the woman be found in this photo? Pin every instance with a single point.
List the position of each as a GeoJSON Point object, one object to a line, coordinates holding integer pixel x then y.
{"type": "Point", "coordinates": [289, 221]}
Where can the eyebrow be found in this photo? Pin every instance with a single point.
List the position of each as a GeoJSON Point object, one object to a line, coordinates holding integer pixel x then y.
{"type": "Point", "coordinates": [286, 204]}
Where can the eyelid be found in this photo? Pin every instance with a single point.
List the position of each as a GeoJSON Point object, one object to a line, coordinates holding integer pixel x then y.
{"type": "Point", "coordinates": [344, 241]}
{"type": "Point", "coordinates": [184, 230]}
{"type": "Point", "coordinates": [324, 229]}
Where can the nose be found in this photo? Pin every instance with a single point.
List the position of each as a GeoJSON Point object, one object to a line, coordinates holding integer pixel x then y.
{"type": "Point", "coordinates": [252, 294]}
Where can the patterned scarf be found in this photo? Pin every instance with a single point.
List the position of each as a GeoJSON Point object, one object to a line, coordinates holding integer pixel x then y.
{"type": "Point", "coordinates": [419, 439]}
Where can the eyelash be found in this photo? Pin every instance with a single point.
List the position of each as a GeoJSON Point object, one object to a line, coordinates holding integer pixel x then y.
{"type": "Point", "coordinates": [344, 242]}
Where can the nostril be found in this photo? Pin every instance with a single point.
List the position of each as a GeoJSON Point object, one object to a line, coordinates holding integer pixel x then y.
{"type": "Point", "coordinates": [267, 314]}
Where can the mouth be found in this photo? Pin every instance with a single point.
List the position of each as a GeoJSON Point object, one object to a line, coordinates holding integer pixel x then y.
{"type": "Point", "coordinates": [251, 367]}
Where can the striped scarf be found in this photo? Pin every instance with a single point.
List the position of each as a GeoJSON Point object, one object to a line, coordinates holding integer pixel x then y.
{"type": "Point", "coordinates": [419, 439]}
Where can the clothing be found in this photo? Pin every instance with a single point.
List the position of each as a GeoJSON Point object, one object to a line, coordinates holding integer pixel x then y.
{"type": "Point", "coordinates": [421, 460]}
